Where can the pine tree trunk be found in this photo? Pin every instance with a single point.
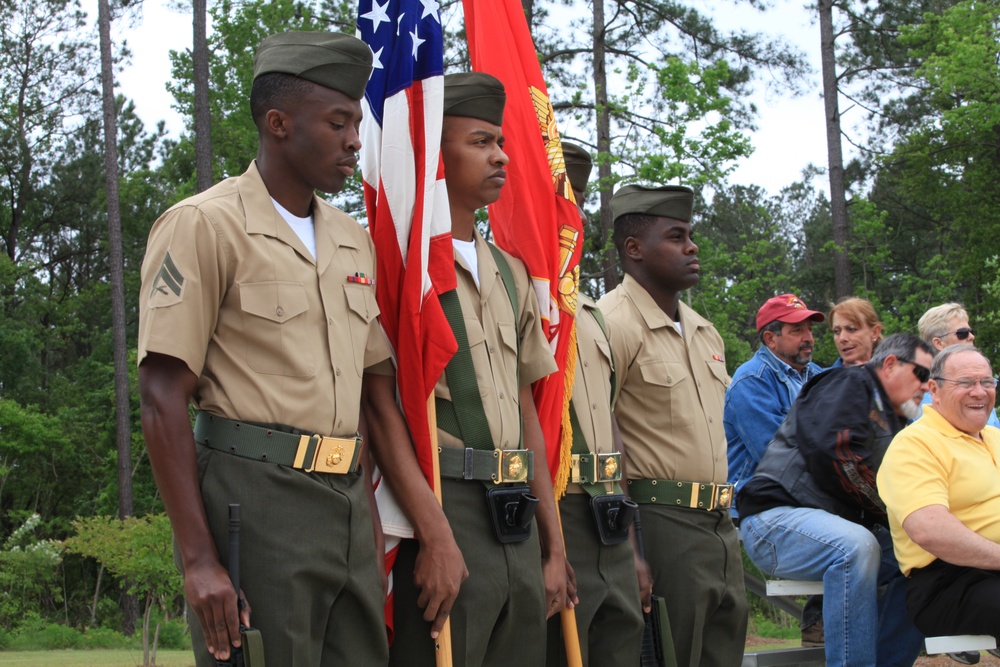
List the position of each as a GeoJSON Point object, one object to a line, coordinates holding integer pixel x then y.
{"type": "Point", "coordinates": [202, 114]}
{"type": "Point", "coordinates": [608, 254]}
{"type": "Point", "coordinates": [123, 410]}
{"type": "Point", "coordinates": [835, 155]}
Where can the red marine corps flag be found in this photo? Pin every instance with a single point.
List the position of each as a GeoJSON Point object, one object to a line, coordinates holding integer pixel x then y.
{"type": "Point", "coordinates": [408, 213]}
{"type": "Point", "coordinates": [536, 218]}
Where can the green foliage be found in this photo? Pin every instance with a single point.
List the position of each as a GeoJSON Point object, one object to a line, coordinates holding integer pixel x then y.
{"type": "Point", "coordinates": [103, 638]}
{"type": "Point", "coordinates": [137, 550]}
{"type": "Point", "coordinates": [237, 29]}
{"type": "Point", "coordinates": [28, 574]}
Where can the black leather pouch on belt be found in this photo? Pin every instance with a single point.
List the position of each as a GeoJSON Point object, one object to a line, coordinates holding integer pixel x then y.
{"type": "Point", "coordinates": [511, 510]}
{"type": "Point", "coordinates": [613, 514]}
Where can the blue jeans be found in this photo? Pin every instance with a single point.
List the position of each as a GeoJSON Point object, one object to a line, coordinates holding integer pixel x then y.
{"type": "Point", "coordinates": [861, 627]}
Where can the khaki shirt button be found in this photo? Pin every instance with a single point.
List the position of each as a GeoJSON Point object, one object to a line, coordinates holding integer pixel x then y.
{"type": "Point", "coordinates": [586, 364]}
{"type": "Point", "coordinates": [340, 424]}
{"type": "Point", "coordinates": [669, 379]}
{"type": "Point", "coordinates": [501, 395]}
{"type": "Point", "coordinates": [279, 311]}
{"type": "Point", "coordinates": [338, 372]}
{"type": "Point", "coordinates": [329, 321]}
{"type": "Point", "coordinates": [491, 349]}
{"type": "Point", "coordinates": [593, 406]}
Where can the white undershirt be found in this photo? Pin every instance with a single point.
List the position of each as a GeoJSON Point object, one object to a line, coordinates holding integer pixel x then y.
{"type": "Point", "coordinates": [467, 250]}
{"type": "Point", "coordinates": [303, 227]}
{"type": "Point", "coordinates": [677, 325]}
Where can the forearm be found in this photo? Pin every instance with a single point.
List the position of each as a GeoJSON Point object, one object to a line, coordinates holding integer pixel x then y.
{"type": "Point", "coordinates": [939, 532]}
{"type": "Point", "coordinates": [392, 449]}
{"type": "Point", "coordinates": [170, 443]}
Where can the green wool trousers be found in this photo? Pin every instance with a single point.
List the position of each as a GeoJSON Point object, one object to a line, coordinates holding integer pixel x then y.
{"type": "Point", "coordinates": [307, 561]}
{"type": "Point", "coordinates": [499, 616]}
{"type": "Point", "coordinates": [609, 616]}
{"type": "Point", "coordinates": [697, 567]}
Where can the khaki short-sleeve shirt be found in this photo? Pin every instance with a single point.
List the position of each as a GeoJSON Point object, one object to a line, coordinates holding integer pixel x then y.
{"type": "Point", "coordinates": [494, 334]}
{"type": "Point", "coordinates": [592, 383]}
{"type": "Point", "coordinates": [670, 388]}
{"type": "Point", "coordinates": [273, 335]}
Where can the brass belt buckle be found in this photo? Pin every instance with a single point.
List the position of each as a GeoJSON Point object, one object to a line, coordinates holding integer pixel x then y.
{"type": "Point", "coordinates": [333, 455]}
{"type": "Point", "coordinates": [722, 496]}
{"type": "Point", "coordinates": [608, 468]}
{"type": "Point", "coordinates": [512, 465]}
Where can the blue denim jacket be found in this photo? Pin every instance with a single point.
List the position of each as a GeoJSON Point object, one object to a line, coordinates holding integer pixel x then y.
{"type": "Point", "coordinates": [757, 400]}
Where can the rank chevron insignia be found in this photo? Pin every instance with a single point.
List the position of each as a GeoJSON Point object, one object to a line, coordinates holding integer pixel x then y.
{"type": "Point", "coordinates": [168, 279]}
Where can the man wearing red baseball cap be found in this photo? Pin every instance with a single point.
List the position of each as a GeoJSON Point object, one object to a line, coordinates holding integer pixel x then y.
{"type": "Point", "coordinates": [760, 395]}
{"type": "Point", "coordinates": [764, 388]}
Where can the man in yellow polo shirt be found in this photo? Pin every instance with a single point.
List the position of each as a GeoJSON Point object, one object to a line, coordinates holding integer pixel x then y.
{"type": "Point", "coordinates": [940, 481]}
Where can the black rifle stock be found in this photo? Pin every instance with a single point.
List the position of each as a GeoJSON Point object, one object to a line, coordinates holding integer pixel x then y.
{"type": "Point", "coordinates": [250, 653]}
{"type": "Point", "coordinates": [657, 642]}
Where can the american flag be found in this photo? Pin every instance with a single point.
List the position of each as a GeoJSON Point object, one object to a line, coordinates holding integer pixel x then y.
{"type": "Point", "coordinates": [407, 204]}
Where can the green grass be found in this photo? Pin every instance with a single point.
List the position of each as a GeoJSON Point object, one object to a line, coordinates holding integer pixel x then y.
{"type": "Point", "coordinates": [95, 658]}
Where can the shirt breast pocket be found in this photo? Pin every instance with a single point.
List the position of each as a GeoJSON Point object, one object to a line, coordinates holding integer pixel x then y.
{"type": "Point", "coordinates": [669, 395]}
{"type": "Point", "coordinates": [718, 370]}
{"type": "Point", "coordinates": [363, 309]}
{"type": "Point", "coordinates": [276, 328]}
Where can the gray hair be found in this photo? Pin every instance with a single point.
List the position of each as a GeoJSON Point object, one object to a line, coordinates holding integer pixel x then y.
{"type": "Point", "coordinates": [774, 327]}
{"type": "Point", "coordinates": [936, 321]}
{"type": "Point", "coordinates": [937, 368]}
{"type": "Point", "coordinates": [903, 346]}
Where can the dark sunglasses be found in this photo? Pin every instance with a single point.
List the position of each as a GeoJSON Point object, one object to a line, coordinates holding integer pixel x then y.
{"type": "Point", "coordinates": [961, 334]}
{"type": "Point", "coordinates": [922, 372]}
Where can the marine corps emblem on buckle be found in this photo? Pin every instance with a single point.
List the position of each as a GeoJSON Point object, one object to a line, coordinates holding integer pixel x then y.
{"type": "Point", "coordinates": [512, 466]}
{"type": "Point", "coordinates": [609, 467]}
{"type": "Point", "coordinates": [336, 456]}
{"type": "Point", "coordinates": [724, 496]}
{"type": "Point", "coordinates": [333, 455]}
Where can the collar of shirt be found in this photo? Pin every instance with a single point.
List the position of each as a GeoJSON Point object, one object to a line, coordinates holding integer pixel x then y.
{"type": "Point", "coordinates": [782, 366]}
{"type": "Point", "coordinates": [654, 315]}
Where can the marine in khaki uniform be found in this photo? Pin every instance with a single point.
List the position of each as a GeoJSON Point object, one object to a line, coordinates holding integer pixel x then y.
{"type": "Point", "coordinates": [608, 613]}
{"type": "Point", "coordinates": [671, 375]}
{"type": "Point", "coordinates": [498, 615]}
{"type": "Point", "coordinates": [257, 307]}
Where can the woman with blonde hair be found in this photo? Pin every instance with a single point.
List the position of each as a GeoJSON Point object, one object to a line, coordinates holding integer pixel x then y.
{"type": "Point", "coordinates": [856, 330]}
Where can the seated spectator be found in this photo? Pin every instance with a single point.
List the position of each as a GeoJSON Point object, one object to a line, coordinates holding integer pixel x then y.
{"type": "Point", "coordinates": [812, 510]}
{"type": "Point", "coordinates": [760, 395]}
{"type": "Point", "coordinates": [941, 484]}
{"type": "Point", "coordinates": [764, 388]}
{"type": "Point", "coordinates": [944, 325]}
{"type": "Point", "coordinates": [856, 330]}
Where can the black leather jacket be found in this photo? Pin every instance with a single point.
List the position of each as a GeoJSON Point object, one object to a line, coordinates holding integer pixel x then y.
{"type": "Point", "coordinates": [826, 453]}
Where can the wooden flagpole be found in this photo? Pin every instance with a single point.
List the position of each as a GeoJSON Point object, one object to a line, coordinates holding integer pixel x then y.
{"type": "Point", "coordinates": [442, 647]}
{"type": "Point", "coordinates": [571, 634]}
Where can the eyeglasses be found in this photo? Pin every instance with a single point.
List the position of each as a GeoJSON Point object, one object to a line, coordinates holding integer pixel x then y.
{"type": "Point", "coordinates": [961, 334]}
{"type": "Point", "coordinates": [989, 384]}
{"type": "Point", "coordinates": [922, 372]}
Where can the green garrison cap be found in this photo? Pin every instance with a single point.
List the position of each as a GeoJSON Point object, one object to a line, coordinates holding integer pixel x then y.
{"type": "Point", "coordinates": [578, 165]}
{"type": "Point", "coordinates": [665, 201]}
{"type": "Point", "coordinates": [474, 94]}
{"type": "Point", "coordinates": [331, 59]}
